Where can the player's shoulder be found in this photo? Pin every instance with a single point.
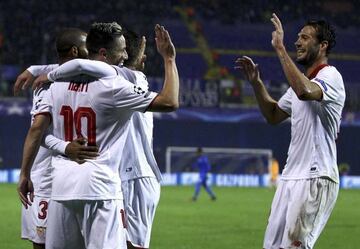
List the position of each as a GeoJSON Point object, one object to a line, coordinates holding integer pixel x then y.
{"type": "Point", "coordinates": [127, 73]}
{"type": "Point", "coordinates": [330, 71]}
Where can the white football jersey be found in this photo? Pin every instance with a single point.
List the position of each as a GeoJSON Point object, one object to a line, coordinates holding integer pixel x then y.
{"type": "Point", "coordinates": [41, 169]}
{"type": "Point", "coordinates": [99, 111]}
{"type": "Point", "coordinates": [140, 160]}
{"type": "Point", "coordinates": [314, 128]}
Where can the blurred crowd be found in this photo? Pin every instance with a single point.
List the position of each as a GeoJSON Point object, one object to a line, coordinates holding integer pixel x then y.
{"type": "Point", "coordinates": [28, 27]}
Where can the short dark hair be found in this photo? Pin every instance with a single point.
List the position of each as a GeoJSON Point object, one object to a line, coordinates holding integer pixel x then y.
{"type": "Point", "coordinates": [324, 32]}
{"type": "Point", "coordinates": [67, 38]}
{"type": "Point", "coordinates": [102, 35]}
{"type": "Point", "coordinates": [133, 43]}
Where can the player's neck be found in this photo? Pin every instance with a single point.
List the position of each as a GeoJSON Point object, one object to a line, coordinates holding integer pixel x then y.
{"type": "Point", "coordinates": [311, 68]}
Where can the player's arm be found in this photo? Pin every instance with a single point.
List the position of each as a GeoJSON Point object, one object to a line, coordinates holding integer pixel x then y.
{"type": "Point", "coordinates": [31, 147]}
{"type": "Point", "coordinates": [75, 69]}
{"type": "Point", "coordinates": [168, 99]}
{"type": "Point", "coordinates": [27, 77]}
{"type": "Point", "coordinates": [268, 106]}
{"type": "Point", "coordinates": [76, 150]}
{"type": "Point", "coordinates": [302, 86]}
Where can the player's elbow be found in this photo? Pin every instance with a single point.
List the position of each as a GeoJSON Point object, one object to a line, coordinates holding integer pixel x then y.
{"type": "Point", "coordinates": [163, 104]}
{"type": "Point", "coordinates": [303, 94]}
{"type": "Point", "coordinates": [171, 106]}
{"type": "Point", "coordinates": [272, 121]}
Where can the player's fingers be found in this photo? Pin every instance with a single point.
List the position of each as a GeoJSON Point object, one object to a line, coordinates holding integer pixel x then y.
{"type": "Point", "coordinates": [27, 82]}
{"type": "Point", "coordinates": [17, 85]}
{"type": "Point", "coordinates": [81, 140]}
{"type": "Point", "coordinates": [275, 24]}
{"type": "Point", "coordinates": [31, 196]}
{"type": "Point", "coordinates": [143, 43]}
{"type": "Point", "coordinates": [89, 148]}
{"type": "Point", "coordinates": [92, 153]}
{"type": "Point", "coordinates": [80, 161]}
{"type": "Point", "coordinates": [23, 200]}
{"type": "Point", "coordinates": [248, 60]}
{"type": "Point", "coordinates": [277, 20]}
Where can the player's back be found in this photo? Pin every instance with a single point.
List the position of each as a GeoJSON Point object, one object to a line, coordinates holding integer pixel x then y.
{"type": "Point", "coordinates": [99, 111]}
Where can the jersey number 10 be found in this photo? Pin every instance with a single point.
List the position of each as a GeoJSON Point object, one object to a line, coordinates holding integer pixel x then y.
{"type": "Point", "coordinates": [71, 119]}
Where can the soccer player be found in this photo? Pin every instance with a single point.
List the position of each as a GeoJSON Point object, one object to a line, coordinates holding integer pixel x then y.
{"type": "Point", "coordinates": [89, 196]}
{"type": "Point", "coordinates": [309, 185]}
{"type": "Point", "coordinates": [70, 44]}
{"type": "Point", "coordinates": [203, 165]}
{"type": "Point", "coordinates": [139, 173]}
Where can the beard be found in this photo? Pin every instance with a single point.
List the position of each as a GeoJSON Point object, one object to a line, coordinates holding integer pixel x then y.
{"type": "Point", "coordinates": [310, 56]}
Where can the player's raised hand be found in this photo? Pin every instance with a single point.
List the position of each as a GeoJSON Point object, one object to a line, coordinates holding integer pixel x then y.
{"type": "Point", "coordinates": [40, 80]}
{"type": "Point", "coordinates": [163, 42]}
{"type": "Point", "coordinates": [250, 70]}
{"type": "Point", "coordinates": [78, 151]}
{"type": "Point", "coordinates": [141, 57]}
{"type": "Point", "coordinates": [22, 81]}
{"type": "Point", "coordinates": [278, 34]}
{"type": "Point", "coordinates": [25, 190]}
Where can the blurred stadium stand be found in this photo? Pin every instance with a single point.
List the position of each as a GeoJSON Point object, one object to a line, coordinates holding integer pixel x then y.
{"type": "Point", "coordinates": [208, 35]}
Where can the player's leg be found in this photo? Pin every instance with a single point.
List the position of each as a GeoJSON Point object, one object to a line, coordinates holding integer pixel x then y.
{"type": "Point", "coordinates": [142, 199]}
{"type": "Point", "coordinates": [310, 205]}
{"type": "Point", "coordinates": [197, 190]}
{"type": "Point", "coordinates": [34, 221]}
{"type": "Point", "coordinates": [63, 231]}
{"type": "Point", "coordinates": [208, 189]}
{"type": "Point", "coordinates": [102, 224]}
{"type": "Point", "coordinates": [319, 204]}
{"type": "Point", "coordinates": [277, 218]}
{"type": "Point", "coordinates": [38, 246]}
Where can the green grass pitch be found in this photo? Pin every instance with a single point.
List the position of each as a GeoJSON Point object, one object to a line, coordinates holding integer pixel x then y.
{"type": "Point", "coordinates": [237, 219]}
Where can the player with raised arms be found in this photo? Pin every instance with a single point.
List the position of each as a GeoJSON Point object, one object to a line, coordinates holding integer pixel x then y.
{"type": "Point", "coordinates": [309, 184]}
{"type": "Point", "coordinates": [100, 111]}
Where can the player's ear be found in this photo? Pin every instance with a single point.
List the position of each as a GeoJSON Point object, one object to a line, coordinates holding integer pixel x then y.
{"type": "Point", "coordinates": [324, 45]}
{"type": "Point", "coordinates": [102, 52]}
{"type": "Point", "coordinates": [74, 51]}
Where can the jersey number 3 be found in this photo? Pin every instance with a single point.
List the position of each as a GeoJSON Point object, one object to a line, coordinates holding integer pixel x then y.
{"type": "Point", "coordinates": [71, 119]}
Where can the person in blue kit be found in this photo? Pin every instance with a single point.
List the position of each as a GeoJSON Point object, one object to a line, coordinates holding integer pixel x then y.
{"type": "Point", "coordinates": [203, 166]}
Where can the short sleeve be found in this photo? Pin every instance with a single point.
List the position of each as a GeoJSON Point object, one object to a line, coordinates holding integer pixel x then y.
{"type": "Point", "coordinates": [285, 101]}
{"type": "Point", "coordinates": [131, 96]}
{"type": "Point", "coordinates": [45, 103]}
{"type": "Point", "coordinates": [330, 82]}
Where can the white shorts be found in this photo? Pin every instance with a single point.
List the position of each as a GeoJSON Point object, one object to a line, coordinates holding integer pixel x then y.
{"type": "Point", "coordinates": [34, 219]}
{"type": "Point", "coordinates": [299, 212]}
{"type": "Point", "coordinates": [80, 224]}
{"type": "Point", "coordinates": [141, 197]}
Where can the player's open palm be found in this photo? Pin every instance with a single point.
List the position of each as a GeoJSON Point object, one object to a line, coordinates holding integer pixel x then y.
{"type": "Point", "coordinates": [249, 69]}
{"type": "Point", "coordinates": [278, 34]}
{"type": "Point", "coordinates": [163, 42]}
